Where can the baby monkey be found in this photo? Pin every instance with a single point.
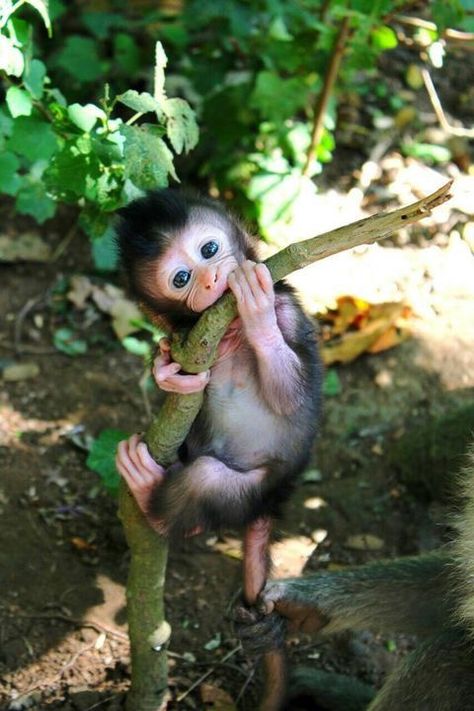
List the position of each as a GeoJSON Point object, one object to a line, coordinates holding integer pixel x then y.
{"type": "Point", "coordinates": [254, 432]}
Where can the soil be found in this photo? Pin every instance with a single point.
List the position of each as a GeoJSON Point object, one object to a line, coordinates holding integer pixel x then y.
{"type": "Point", "coordinates": [63, 558]}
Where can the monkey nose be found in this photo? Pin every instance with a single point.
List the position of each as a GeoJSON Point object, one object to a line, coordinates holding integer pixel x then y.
{"type": "Point", "coordinates": [209, 278]}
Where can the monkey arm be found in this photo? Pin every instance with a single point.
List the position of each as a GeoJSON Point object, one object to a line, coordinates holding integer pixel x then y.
{"type": "Point", "coordinates": [412, 595]}
{"type": "Point", "coordinates": [269, 321]}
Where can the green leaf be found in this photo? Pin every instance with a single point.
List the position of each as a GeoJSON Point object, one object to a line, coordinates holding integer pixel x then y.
{"type": "Point", "coordinates": [19, 102]}
{"type": "Point", "coordinates": [33, 200]}
{"type": "Point", "coordinates": [446, 14]}
{"type": "Point", "coordinates": [428, 152]}
{"type": "Point", "coordinates": [79, 58]}
{"type": "Point", "coordinates": [11, 58]}
{"type": "Point", "coordinates": [214, 643]}
{"type": "Point", "coordinates": [384, 38]}
{"type": "Point", "coordinates": [85, 117]}
{"type": "Point", "coordinates": [41, 6]}
{"type": "Point", "coordinates": [136, 346]}
{"type": "Point", "coordinates": [181, 126]}
{"type": "Point", "coordinates": [278, 98]}
{"type": "Point", "coordinates": [33, 138]}
{"type": "Point", "coordinates": [148, 160]}
{"type": "Point", "coordinates": [143, 102]}
{"type": "Point", "coordinates": [66, 341]}
{"type": "Point", "coordinates": [6, 124]}
{"type": "Point", "coordinates": [10, 181]}
{"type": "Point", "coordinates": [279, 31]}
{"type": "Point", "coordinates": [101, 458]}
{"type": "Point", "coordinates": [126, 53]}
{"type": "Point", "coordinates": [69, 171]}
{"type": "Point", "coordinates": [104, 251]}
{"type": "Point", "coordinates": [101, 23]}
{"type": "Point", "coordinates": [34, 77]}
{"type": "Point", "coordinates": [332, 383]}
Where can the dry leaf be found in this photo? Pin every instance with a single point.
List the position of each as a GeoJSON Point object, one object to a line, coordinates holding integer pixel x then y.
{"type": "Point", "coordinates": [231, 547]}
{"type": "Point", "coordinates": [291, 555]}
{"type": "Point", "coordinates": [20, 371]}
{"type": "Point", "coordinates": [112, 300]}
{"type": "Point", "coordinates": [364, 542]}
{"type": "Point", "coordinates": [27, 247]}
{"type": "Point", "coordinates": [216, 698]}
{"type": "Point", "coordinates": [81, 544]}
{"type": "Point", "coordinates": [81, 289]}
{"type": "Point", "coordinates": [357, 327]}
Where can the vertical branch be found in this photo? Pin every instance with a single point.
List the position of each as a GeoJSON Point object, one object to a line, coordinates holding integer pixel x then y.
{"type": "Point", "coordinates": [147, 628]}
{"type": "Point", "coordinates": [323, 98]}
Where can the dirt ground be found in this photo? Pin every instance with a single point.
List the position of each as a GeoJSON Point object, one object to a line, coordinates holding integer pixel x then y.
{"type": "Point", "coordinates": [63, 558]}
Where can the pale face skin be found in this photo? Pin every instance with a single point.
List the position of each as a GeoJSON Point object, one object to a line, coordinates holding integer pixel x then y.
{"type": "Point", "coordinates": [195, 269]}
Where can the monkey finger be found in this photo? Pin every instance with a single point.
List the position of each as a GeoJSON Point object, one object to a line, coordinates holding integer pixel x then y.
{"type": "Point", "coordinates": [186, 384]}
{"type": "Point", "coordinates": [240, 287]}
{"type": "Point", "coordinates": [163, 358]}
{"type": "Point", "coordinates": [162, 371]}
{"type": "Point", "coordinates": [151, 470]}
{"type": "Point", "coordinates": [164, 344]}
{"type": "Point", "coordinates": [127, 467]}
{"type": "Point", "coordinates": [264, 278]}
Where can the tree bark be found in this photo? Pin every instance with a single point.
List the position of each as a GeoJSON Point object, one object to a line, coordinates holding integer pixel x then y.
{"type": "Point", "coordinates": [196, 352]}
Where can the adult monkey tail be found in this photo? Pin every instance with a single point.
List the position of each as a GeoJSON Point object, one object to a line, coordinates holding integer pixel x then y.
{"type": "Point", "coordinates": [256, 566]}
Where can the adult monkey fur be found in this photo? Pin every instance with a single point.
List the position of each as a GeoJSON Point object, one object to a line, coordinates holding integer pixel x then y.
{"type": "Point", "coordinates": [430, 595]}
{"type": "Point", "coordinates": [254, 432]}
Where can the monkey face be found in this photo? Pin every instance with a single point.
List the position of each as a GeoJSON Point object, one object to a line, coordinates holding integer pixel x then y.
{"type": "Point", "coordinates": [194, 268]}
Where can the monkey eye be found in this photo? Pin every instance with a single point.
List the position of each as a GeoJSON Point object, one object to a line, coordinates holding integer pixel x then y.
{"type": "Point", "coordinates": [181, 278]}
{"type": "Point", "coordinates": [209, 249]}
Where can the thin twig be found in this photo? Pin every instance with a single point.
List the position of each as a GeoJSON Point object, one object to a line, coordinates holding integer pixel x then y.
{"type": "Point", "coordinates": [22, 314]}
{"type": "Point", "coordinates": [323, 98]}
{"type": "Point", "coordinates": [230, 654]}
{"type": "Point", "coordinates": [438, 109]}
{"type": "Point", "coordinates": [98, 626]}
{"type": "Point", "coordinates": [449, 33]}
{"type": "Point", "coordinates": [244, 686]}
{"type": "Point", "coordinates": [70, 234]}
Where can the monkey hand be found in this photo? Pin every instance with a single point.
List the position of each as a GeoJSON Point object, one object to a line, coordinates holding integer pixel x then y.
{"type": "Point", "coordinates": [142, 474]}
{"type": "Point", "coordinates": [257, 631]}
{"type": "Point", "coordinates": [252, 287]}
{"type": "Point", "coordinates": [168, 378]}
{"type": "Point", "coordinates": [293, 599]}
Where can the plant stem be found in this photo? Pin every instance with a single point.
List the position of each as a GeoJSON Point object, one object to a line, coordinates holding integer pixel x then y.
{"type": "Point", "coordinates": [323, 98]}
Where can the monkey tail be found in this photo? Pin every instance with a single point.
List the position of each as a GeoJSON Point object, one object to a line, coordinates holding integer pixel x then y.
{"type": "Point", "coordinates": [256, 564]}
{"type": "Point", "coordinates": [464, 547]}
{"type": "Point", "coordinates": [274, 694]}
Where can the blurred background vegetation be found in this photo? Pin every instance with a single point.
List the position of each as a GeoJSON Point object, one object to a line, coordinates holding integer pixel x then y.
{"type": "Point", "coordinates": [277, 88]}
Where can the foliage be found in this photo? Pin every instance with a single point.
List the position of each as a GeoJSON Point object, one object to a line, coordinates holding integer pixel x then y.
{"type": "Point", "coordinates": [101, 458]}
{"type": "Point", "coordinates": [85, 154]}
{"type": "Point", "coordinates": [252, 70]}
{"type": "Point", "coordinates": [257, 68]}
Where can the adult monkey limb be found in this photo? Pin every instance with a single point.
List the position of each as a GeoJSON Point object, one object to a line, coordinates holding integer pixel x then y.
{"type": "Point", "coordinates": [170, 428]}
{"type": "Point", "coordinates": [429, 595]}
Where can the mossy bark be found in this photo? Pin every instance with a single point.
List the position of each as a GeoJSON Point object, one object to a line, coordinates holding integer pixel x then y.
{"type": "Point", "coordinates": [196, 352]}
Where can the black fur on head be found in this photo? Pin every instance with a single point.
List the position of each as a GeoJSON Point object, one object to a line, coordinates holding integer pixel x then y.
{"type": "Point", "coordinates": [147, 226]}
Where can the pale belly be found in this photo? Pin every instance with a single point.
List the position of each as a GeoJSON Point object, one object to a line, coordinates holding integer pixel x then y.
{"type": "Point", "coordinates": [243, 430]}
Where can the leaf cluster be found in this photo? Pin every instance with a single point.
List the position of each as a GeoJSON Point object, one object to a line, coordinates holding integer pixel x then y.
{"type": "Point", "coordinates": [86, 154]}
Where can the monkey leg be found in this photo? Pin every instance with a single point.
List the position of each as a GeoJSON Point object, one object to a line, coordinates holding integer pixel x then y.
{"type": "Point", "coordinates": [256, 557]}
{"type": "Point", "coordinates": [413, 595]}
{"type": "Point", "coordinates": [207, 494]}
